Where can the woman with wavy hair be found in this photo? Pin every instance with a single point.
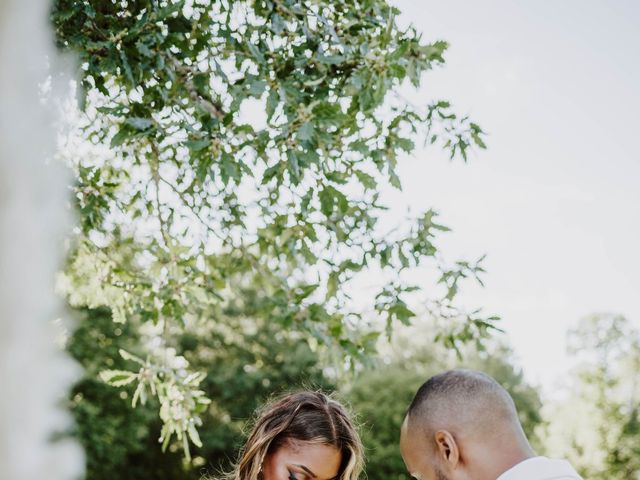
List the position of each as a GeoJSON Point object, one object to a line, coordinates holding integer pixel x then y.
{"type": "Point", "coordinates": [301, 436]}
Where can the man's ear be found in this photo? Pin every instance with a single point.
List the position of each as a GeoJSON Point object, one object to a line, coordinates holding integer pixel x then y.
{"type": "Point", "coordinates": [447, 448]}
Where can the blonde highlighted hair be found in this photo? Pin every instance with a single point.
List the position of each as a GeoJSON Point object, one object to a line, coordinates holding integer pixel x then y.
{"type": "Point", "coordinates": [307, 417]}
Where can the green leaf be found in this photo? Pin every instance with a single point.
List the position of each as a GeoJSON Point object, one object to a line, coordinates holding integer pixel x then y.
{"type": "Point", "coordinates": [309, 157]}
{"type": "Point", "coordinates": [229, 168]}
{"type": "Point", "coordinates": [294, 167]}
{"type": "Point", "coordinates": [197, 145]}
{"type": "Point", "coordinates": [367, 181]}
{"type": "Point", "coordinates": [327, 199]}
{"type": "Point", "coordinates": [139, 395]}
{"type": "Point", "coordinates": [405, 144]}
{"type": "Point", "coordinates": [394, 179]}
{"type": "Point", "coordinates": [144, 49]}
{"type": "Point", "coordinates": [117, 378]}
{"type": "Point", "coordinates": [273, 100]}
{"type": "Point", "coordinates": [328, 112]}
{"type": "Point", "coordinates": [304, 291]}
{"type": "Point", "coordinates": [257, 87]}
{"type": "Point", "coordinates": [139, 123]}
{"type": "Point", "coordinates": [330, 198]}
{"type": "Point", "coordinates": [120, 137]}
{"type": "Point", "coordinates": [128, 356]}
{"type": "Point", "coordinates": [401, 312]}
{"type": "Point", "coordinates": [178, 24]}
{"type": "Point", "coordinates": [331, 59]}
{"type": "Point", "coordinates": [398, 71]}
{"type": "Point", "coordinates": [332, 285]}
{"type": "Point", "coordinates": [126, 67]}
{"type": "Point", "coordinates": [360, 146]}
{"type": "Point", "coordinates": [338, 177]}
{"type": "Point", "coordinates": [277, 24]}
{"type": "Point", "coordinates": [272, 172]}
{"type": "Point", "coordinates": [193, 435]}
{"type": "Point", "coordinates": [256, 53]}
{"type": "Point", "coordinates": [306, 132]}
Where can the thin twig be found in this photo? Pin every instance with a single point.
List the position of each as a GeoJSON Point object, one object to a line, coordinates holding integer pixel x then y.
{"type": "Point", "coordinates": [191, 207]}
{"type": "Point", "coordinates": [186, 73]}
{"type": "Point", "coordinates": [155, 172]}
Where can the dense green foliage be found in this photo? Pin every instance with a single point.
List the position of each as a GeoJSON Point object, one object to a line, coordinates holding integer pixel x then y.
{"type": "Point", "coordinates": [121, 442]}
{"type": "Point", "coordinates": [242, 146]}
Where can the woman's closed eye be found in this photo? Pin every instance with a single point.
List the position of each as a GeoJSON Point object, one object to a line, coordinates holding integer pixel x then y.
{"type": "Point", "coordinates": [295, 475]}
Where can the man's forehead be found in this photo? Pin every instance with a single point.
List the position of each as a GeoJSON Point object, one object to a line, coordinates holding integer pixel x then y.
{"type": "Point", "coordinates": [407, 427]}
{"type": "Point", "coordinates": [414, 447]}
{"type": "Point", "coordinates": [410, 446]}
{"type": "Point", "coordinates": [405, 422]}
{"type": "Point", "coordinates": [404, 433]}
{"type": "Point", "coordinates": [409, 430]}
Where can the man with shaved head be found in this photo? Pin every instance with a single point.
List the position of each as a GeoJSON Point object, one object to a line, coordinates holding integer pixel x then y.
{"type": "Point", "coordinates": [463, 425]}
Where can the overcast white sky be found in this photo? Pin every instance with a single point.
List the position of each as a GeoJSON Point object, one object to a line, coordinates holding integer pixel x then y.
{"type": "Point", "coordinates": [555, 200]}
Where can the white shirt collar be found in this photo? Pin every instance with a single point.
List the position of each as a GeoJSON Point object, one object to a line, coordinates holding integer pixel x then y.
{"type": "Point", "coordinates": [540, 468]}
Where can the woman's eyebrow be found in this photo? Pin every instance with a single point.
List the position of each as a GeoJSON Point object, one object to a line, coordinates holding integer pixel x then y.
{"type": "Point", "coordinates": [313, 475]}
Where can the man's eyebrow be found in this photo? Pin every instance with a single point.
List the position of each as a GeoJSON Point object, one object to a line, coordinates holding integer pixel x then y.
{"type": "Point", "coordinates": [313, 475]}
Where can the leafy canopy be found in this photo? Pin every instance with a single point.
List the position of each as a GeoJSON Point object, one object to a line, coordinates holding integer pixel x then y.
{"type": "Point", "coordinates": [246, 143]}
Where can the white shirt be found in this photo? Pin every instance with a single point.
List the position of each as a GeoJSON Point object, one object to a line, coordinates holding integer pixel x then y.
{"type": "Point", "coordinates": [541, 468]}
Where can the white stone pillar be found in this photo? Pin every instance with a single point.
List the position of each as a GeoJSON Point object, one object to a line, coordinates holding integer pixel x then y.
{"type": "Point", "coordinates": [34, 373]}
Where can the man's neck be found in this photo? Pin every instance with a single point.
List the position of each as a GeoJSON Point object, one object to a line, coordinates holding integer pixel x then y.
{"type": "Point", "coordinates": [509, 458]}
{"type": "Point", "coordinates": [486, 457]}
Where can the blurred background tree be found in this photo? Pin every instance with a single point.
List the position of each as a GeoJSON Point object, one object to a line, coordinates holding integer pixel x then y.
{"type": "Point", "coordinates": [244, 365]}
{"type": "Point", "coordinates": [119, 442]}
{"type": "Point", "coordinates": [596, 423]}
{"type": "Point", "coordinates": [226, 147]}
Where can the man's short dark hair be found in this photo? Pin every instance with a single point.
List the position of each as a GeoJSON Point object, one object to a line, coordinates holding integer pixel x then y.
{"type": "Point", "coordinates": [460, 396]}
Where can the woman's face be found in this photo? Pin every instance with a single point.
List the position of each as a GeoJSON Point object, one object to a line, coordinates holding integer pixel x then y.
{"type": "Point", "coordinates": [296, 460]}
